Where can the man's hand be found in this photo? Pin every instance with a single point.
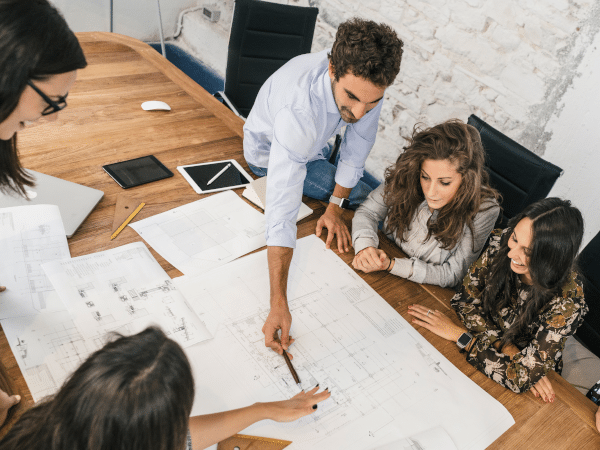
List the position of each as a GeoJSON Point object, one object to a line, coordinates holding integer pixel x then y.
{"type": "Point", "coordinates": [371, 259]}
{"type": "Point", "coordinates": [279, 318]}
{"type": "Point", "coordinates": [332, 220]}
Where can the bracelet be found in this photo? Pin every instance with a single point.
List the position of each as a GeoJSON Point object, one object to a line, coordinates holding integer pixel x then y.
{"type": "Point", "coordinates": [389, 265]}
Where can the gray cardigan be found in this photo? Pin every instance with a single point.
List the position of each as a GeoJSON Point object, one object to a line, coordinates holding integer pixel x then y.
{"type": "Point", "coordinates": [427, 262]}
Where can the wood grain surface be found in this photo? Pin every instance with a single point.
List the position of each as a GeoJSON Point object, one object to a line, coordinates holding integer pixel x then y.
{"type": "Point", "coordinates": [105, 123]}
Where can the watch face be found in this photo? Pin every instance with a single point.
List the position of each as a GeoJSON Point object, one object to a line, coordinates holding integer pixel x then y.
{"type": "Point", "coordinates": [464, 339]}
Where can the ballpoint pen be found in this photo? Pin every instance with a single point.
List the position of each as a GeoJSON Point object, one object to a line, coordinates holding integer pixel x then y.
{"type": "Point", "coordinates": [218, 174]}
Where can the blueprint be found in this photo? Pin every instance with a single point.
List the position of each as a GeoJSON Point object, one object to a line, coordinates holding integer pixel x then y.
{"type": "Point", "coordinates": [386, 380]}
{"type": "Point", "coordinates": [29, 237]}
{"type": "Point", "coordinates": [123, 286]}
{"type": "Point", "coordinates": [205, 234]}
{"type": "Point", "coordinates": [48, 347]}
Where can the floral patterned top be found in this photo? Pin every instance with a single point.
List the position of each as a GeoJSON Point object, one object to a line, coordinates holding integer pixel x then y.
{"type": "Point", "coordinates": [541, 349]}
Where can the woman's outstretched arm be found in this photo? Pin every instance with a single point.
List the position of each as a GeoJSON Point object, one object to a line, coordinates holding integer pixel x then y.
{"type": "Point", "coordinates": [209, 429]}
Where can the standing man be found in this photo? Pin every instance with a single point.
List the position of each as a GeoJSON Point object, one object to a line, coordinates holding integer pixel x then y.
{"type": "Point", "coordinates": [298, 109]}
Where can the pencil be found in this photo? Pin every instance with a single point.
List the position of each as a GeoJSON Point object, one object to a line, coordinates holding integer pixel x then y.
{"type": "Point", "coordinates": [289, 364]}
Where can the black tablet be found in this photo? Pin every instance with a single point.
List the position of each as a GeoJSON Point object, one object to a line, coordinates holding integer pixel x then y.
{"type": "Point", "coordinates": [137, 171]}
{"type": "Point", "coordinates": [215, 176]}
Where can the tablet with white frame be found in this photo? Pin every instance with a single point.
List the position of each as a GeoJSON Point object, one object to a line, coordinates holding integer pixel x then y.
{"type": "Point", "coordinates": [215, 176]}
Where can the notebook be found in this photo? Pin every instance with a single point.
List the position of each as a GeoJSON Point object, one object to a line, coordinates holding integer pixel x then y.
{"type": "Point", "coordinates": [256, 192]}
{"type": "Point", "coordinates": [74, 201]}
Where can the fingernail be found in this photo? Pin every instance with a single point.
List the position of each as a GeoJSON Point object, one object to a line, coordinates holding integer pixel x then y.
{"type": "Point", "coordinates": [314, 406]}
{"type": "Point", "coordinates": [18, 397]}
{"type": "Point", "coordinates": [327, 389]}
{"type": "Point", "coordinates": [317, 385]}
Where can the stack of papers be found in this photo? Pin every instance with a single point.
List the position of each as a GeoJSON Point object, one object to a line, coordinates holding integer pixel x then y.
{"type": "Point", "coordinates": [256, 192]}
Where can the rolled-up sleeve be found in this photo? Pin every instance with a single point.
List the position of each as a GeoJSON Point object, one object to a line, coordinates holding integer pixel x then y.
{"type": "Point", "coordinates": [355, 148]}
{"type": "Point", "coordinates": [294, 136]}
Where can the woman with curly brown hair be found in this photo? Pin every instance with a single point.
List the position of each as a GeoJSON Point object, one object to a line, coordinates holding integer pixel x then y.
{"type": "Point", "coordinates": [436, 205]}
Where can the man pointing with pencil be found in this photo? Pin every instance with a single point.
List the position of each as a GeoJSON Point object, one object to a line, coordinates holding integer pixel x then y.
{"type": "Point", "coordinates": [298, 109]}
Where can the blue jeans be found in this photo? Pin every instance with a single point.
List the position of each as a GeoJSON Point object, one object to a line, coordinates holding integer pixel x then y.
{"type": "Point", "coordinates": [320, 181]}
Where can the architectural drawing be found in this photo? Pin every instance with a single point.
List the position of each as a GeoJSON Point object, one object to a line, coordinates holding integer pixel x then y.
{"type": "Point", "coordinates": [29, 237]}
{"type": "Point", "coordinates": [123, 286]}
{"type": "Point", "coordinates": [383, 375]}
{"type": "Point", "coordinates": [205, 234]}
{"type": "Point", "coordinates": [48, 347]}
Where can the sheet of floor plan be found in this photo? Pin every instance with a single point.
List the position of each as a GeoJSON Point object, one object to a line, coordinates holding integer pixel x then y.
{"type": "Point", "coordinates": [48, 347]}
{"type": "Point", "coordinates": [385, 378]}
{"type": "Point", "coordinates": [204, 234]}
{"type": "Point", "coordinates": [29, 237]}
{"type": "Point", "coordinates": [123, 286]}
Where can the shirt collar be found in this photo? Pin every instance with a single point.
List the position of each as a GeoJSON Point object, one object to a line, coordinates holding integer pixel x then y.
{"type": "Point", "coordinates": [329, 100]}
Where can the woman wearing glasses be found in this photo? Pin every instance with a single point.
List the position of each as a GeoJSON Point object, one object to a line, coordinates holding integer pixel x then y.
{"type": "Point", "coordinates": [39, 59]}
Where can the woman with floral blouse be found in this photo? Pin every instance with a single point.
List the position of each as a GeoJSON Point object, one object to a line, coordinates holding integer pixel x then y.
{"type": "Point", "coordinates": [521, 300]}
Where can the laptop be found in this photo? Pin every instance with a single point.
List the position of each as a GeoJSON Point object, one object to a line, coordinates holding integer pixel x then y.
{"type": "Point", "coordinates": [74, 201]}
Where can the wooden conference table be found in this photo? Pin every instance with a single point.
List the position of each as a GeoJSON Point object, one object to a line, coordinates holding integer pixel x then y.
{"type": "Point", "coordinates": [104, 123]}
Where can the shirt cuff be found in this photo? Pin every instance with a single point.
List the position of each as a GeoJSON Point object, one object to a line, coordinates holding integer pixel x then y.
{"type": "Point", "coordinates": [347, 176]}
{"type": "Point", "coordinates": [281, 234]}
{"type": "Point", "coordinates": [403, 267]}
{"type": "Point", "coordinates": [363, 242]}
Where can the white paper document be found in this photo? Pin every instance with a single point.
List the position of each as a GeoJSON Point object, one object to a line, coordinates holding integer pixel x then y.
{"type": "Point", "coordinates": [204, 234]}
{"type": "Point", "coordinates": [48, 347]}
{"type": "Point", "coordinates": [124, 286]}
{"type": "Point", "coordinates": [29, 237]}
{"type": "Point", "coordinates": [386, 380]}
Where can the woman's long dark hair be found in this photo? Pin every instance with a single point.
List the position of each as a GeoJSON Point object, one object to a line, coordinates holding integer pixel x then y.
{"type": "Point", "coordinates": [135, 393]}
{"type": "Point", "coordinates": [557, 230]}
{"type": "Point", "coordinates": [35, 43]}
{"type": "Point", "coordinates": [457, 142]}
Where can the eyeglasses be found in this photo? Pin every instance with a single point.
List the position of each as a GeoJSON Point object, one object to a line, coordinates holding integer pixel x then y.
{"type": "Point", "coordinates": [53, 106]}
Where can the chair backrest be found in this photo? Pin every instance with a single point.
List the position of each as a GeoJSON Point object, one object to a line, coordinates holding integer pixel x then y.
{"type": "Point", "coordinates": [521, 176]}
{"type": "Point", "coordinates": [264, 36]}
{"type": "Point", "coordinates": [589, 264]}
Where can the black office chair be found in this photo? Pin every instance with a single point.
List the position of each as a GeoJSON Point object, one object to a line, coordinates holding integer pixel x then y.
{"type": "Point", "coordinates": [264, 36]}
{"type": "Point", "coordinates": [521, 176]}
{"type": "Point", "coordinates": [589, 263]}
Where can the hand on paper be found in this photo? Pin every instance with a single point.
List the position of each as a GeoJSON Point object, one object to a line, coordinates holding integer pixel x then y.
{"type": "Point", "coordinates": [2, 288]}
{"type": "Point", "coordinates": [279, 318]}
{"type": "Point", "coordinates": [332, 220]}
{"type": "Point", "coordinates": [7, 402]}
{"type": "Point", "coordinates": [299, 405]}
{"type": "Point", "coordinates": [543, 388]}
{"type": "Point", "coordinates": [371, 259]}
{"type": "Point", "coordinates": [436, 322]}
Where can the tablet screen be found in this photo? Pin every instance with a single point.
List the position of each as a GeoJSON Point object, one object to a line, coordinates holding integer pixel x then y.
{"type": "Point", "coordinates": [137, 171]}
{"type": "Point", "coordinates": [202, 174]}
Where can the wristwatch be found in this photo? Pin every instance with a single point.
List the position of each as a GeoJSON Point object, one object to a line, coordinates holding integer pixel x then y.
{"type": "Point", "coordinates": [464, 340]}
{"type": "Point", "coordinates": [341, 202]}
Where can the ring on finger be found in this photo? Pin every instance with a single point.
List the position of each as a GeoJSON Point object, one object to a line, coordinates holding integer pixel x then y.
{"type": "Point", "coordinates": [428, 313]}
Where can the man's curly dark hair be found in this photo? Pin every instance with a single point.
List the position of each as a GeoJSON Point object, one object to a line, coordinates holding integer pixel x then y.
{"type": "Point", "coordinates": [367, 50]}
